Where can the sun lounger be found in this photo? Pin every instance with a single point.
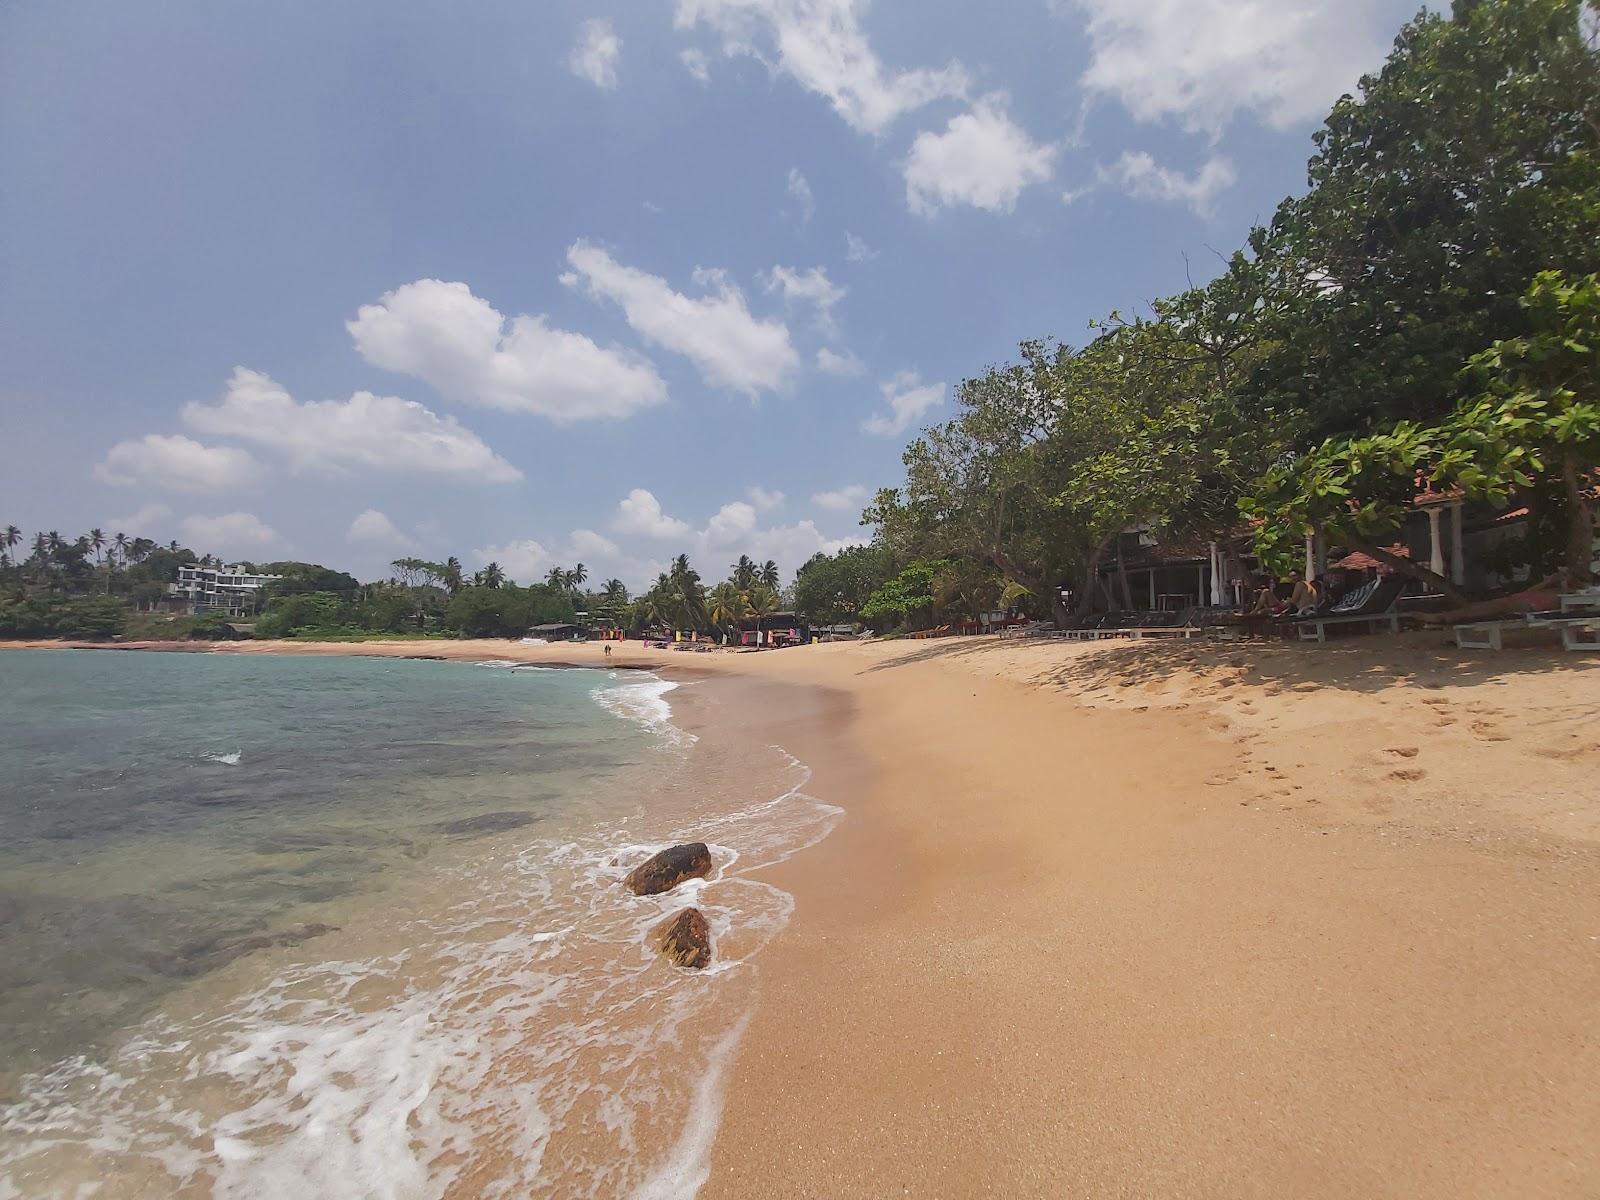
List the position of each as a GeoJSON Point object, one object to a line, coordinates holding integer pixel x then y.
{"type": "Point", "coordinates": [1577, 633]}
{"type": "Point", "coordinates": [1372, 604]}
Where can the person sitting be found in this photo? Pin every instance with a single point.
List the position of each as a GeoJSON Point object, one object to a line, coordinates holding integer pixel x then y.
{"type": "Point", "coordinates": [1267, 603]}
{"type": "Point", "coordinates": [1305, 597]}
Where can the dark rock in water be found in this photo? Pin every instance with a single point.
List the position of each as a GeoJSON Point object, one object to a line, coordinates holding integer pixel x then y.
{"type": "Point", "coordinates": [664, 871]}
{"type": "Point", "coordinates": [685, 938]}
{"type": "Point", "coordinates": [494, 822]}
{"type": "Point", "coordinates": [196, 958]}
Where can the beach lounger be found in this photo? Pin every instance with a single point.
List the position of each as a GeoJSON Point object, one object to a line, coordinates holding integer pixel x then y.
{"type": "Point", "coordinates": [1372, 604]}
{"type": "Point", "coordinates": [1577, 633]}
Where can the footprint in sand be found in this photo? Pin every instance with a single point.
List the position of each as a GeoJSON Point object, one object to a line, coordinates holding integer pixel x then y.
{"type": "Point", "coordinates": [1408, 774]}
{"type": "Point", "coordinates": [1404, 751]}
{"type": "Point", "coordinates": [1488, 732]}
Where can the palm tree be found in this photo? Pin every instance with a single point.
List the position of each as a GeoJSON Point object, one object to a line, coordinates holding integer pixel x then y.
{"type": "Point", "coordinates": [744, 572]}
{"type": "Point", "coordinates": [452, 574]}
{"type": "Point", "coordinates": [556, 577]}
{"type": "Point", "coordinates": [615, 592]}
{"type": "Point", "coordinates": [769, 576]}
{"type": "Point", "coordinates": [762, 601]}
{"type": "Point", "coordinates": [576, 577]}
{"type": "Point", "coordinates": [727, 605]}
{"type": "Point", "coordinates": [492, 575]}
{"type": "Point", "coordinates": [9, 539]}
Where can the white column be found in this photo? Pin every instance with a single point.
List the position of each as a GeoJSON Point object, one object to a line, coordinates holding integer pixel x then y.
{"type": "Point", "coordinates": [1458, 558]}
{"type": "Point", "coordinates": [1216, 576]}
{"type": "Point", "coordinates": [1311, 555]}
{"type": "Point", "coordinates": [1436, 558]}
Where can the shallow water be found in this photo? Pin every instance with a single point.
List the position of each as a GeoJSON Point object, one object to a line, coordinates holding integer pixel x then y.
{"type": "Point", "coordinates": [349, 927]}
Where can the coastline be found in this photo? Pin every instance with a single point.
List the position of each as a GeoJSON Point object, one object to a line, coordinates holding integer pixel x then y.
{"type": "Point", "coordinates": [1161, 920]}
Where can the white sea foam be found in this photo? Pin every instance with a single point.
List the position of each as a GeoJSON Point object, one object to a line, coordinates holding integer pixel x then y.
{"type": "Point", "coordinates": [643, 698]}
{"type": "Point", "coordinates": [230, 759]}
{"type": "Point", "coordinates": [465, 1054]}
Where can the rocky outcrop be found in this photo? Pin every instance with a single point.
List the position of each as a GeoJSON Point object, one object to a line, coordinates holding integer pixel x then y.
{"type": "Point", "coordinates": [684, 938]}
{"type": "Point", "coordinates": [665, 870]}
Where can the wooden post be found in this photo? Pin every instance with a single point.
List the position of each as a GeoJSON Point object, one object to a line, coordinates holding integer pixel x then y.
{"type": "Point", "coordinates": [1311, 555]}
{"type": "Point", "coordinates": [1458, 558]}
{"type": "Point", "coordinates": [1436, 543]}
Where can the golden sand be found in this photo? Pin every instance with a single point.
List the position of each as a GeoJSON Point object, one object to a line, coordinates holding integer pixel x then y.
{"type": "Point", "coordinates": [1160, 919]}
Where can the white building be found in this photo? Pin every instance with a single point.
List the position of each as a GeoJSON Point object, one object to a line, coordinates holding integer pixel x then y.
{"type": "Point", "coordinates": [229, 589]}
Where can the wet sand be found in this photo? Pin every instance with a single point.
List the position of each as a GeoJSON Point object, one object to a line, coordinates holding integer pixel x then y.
{"type": "Point", "coordinates": [1174, 920]}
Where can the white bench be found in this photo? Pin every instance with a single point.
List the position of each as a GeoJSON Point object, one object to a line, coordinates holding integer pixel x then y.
{"type": "Point", "coordinates": [1577, 633]}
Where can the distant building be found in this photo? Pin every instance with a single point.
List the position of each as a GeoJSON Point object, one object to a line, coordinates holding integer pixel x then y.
{"type": "Point", "coordinates": [230, 589]}
{"type": "Point", "coordinates": [773, 629]}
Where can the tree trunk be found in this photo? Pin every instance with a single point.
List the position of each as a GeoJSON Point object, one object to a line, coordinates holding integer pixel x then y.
{"type": "Point", "coordinates": [1580, 523]}
{"type": "Point", "coordinates": [1406, 567]}
{"type": "Point", "coordinates": [1122, 578]}
{"type": "Point", "coordinates": [1091, 575]}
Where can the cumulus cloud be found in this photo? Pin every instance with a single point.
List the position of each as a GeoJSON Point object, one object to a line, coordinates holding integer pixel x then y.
{"type": "Point", "coordinates": [908, 398]}
{"type": "Point", "coordinates": [373, 528]}
{"type": "Point", "coordinates": [821, 46]}
{"type": "Point", "coordinates": [857, 250]}
{"type": "Point", "coordinates": [1138, 174]}
{"type": "Point", "coordinates": [846, 499]}
{"type": "Point", "coordinates": [764, 500]}
{"type": "Point", "coordinates": [982, 159]}
{"type": "Point", "coordinates": [695, 62]}
{"type": "Point", "coordinates": [177, 463]}
{"type": "Point", "coordinates": [594, 55]}
{"type": "Point", "coordinates": [831, 362]}
{"type": "Point", "coordinates": [138, 522]}
{"type": "Point", "coordinates": [800, 193]}
{"type": "Point", "coordinates": [381, 432]}
{"type": "Point", "coordinates": [729, 346]}
{"type": "Point", "coordinates": [460, 344]}
{"type": "Point", "coordinates": [1203, 62]}
{"type": "Point", "coordinates": [229, 534]}
{"type": "Point", "coordinates": [811, 287]}
{"type": "Point", "coordinates": [640, 512]}
{"type": "Point", "coordinates": [524, 561]}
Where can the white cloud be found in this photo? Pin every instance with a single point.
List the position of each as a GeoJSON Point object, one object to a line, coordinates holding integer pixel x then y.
{"type": "Point", "coordinates": [586, 543]}
{"type": "Point", "coordinates": [382, 432]}
{"type": "Point", "coordinates": [1138, 174]}
{"type": "Point", "coordinates": [523, 561]}
{"type": "Point", "coordinates": [594, 55]}
{"type": "Point", "coordinates": [982, 159]}
{"type": "Point", "coordinates": [695, 62]}
{"type": "Point", "coordinates": [857, 250]}
{"type": "Point", "coordinates": [811, 287]}
{"type": "Point", "coordinates": [832, 362]}
{"type": "Point", "coordinates": [730, 347]}
{"type": "Point", "coordinates": [732, 523]}
{"type": "Point", "coordinates": [908, 398]}
{"type": "Point", "coordinates": [640, 512]}
{"type": "Point", "coordinates": [800, 192]}
{"type": "Point", "coordinates": [138, 522]}
{"type": "Point", "coordinates": [177, 463]}
{"type": "Point", "coordinates": [764, 500]}
{"type": "Point", "coordinates": [820, 44]}
{"type": "Point", "coordinates": [845, 499]}
{"type": "Point", "coordinates": [373, 528]}
{"type": "Point", "coordinates": [228, 534]}
{"type": "Point", "coordinates": [441, 333]}
{"type": "Point", "coordinates": [1202, 62]}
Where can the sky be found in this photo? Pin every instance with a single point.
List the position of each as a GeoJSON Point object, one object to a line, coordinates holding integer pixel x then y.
{"type": "Point", "coordinates": [546, 282]}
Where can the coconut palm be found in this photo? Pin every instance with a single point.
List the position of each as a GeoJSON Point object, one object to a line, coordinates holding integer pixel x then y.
{"type": "Point", "coordinates": [615, 592]}
{"type": "Point", "coordinates": [9, 539]}
{"type": "Point", "coordinates": [744, 572]}
{"type": "Point", "coordinates": [452, 574]}
{"type": "Point", "coordinates": [727, 605]}
{"type": "Point", "coordinates": [762, 600]}
{"type": "Point", "coordinates": [769, 576]}
{"type": "Point", "coordinates": [576, 577]}
{"type": "Point", "coordinates": [492, 576]}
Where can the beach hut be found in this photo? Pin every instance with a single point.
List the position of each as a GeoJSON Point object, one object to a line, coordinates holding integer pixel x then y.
{"type": "Point", "coordinates": [773, 629]}
{"type": "Point", "coordinates": [558, 631]}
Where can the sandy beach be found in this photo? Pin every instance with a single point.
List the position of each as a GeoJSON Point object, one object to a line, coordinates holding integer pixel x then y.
{"type": "Point", "coordinates": [1150, 919]}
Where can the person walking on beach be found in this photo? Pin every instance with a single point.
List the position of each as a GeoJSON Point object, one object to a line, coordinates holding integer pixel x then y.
{"type": "Point", "coordinates": [608, 651]}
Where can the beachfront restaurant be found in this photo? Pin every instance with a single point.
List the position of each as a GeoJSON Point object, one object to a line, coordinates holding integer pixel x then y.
{"type": "Point", "coordinates": [558, 631]}
{"type": "Point", "coordinates": [773, 629]}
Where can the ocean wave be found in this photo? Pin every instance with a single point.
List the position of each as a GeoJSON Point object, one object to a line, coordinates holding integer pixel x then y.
{"type": "Point", "coordinates": [479, 1053]}
{"type": "Point", "coordinates": [643, 698]}
{"type": "Point", "coordinates": [231, 759]}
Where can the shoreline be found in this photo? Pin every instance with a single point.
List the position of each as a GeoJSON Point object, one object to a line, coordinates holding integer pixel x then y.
{"type": "Point", "coordinates": [1163, 920]}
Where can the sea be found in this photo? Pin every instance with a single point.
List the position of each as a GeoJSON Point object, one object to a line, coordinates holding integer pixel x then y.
{"type": "Point", "coordinates": [281, 926]}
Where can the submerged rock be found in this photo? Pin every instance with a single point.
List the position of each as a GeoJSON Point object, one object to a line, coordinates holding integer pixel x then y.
{"type": "Point", "coordinates": [494, 822]}
{"type": "Point", "coordinates": [685, 939]}
{"type": "Point", "coordinates": [663, 871]}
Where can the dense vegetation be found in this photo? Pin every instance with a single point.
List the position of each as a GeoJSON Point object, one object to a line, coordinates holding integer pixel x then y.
{"type": "Point", "coordinates": [1429, 308]}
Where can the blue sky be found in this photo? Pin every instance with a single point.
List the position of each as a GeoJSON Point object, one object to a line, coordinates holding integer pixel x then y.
{"type": "Point", "coordinates": [545, 282]}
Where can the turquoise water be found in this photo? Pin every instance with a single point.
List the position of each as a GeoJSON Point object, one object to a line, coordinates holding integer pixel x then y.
{"type": "Point", "coordinates": [355, 927]}
{"type": "Point", "coordinates": [163, 814]}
